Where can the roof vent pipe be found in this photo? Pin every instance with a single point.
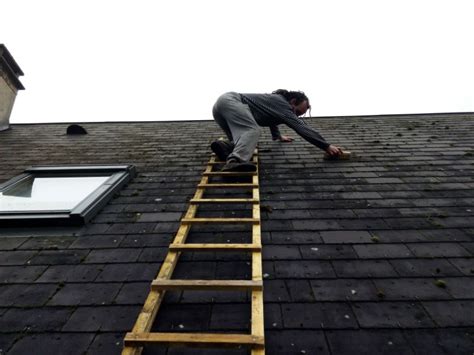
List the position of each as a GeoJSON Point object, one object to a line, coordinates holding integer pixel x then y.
{"type": "Point", "coordinates": [9, 85]}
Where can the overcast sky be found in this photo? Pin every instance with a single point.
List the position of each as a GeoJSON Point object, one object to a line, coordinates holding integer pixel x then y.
{"type": "Point", "coordinates": [104, 60]}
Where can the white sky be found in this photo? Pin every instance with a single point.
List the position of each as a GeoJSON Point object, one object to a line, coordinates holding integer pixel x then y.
{"type": "Point", "coordinates": [104, 60]}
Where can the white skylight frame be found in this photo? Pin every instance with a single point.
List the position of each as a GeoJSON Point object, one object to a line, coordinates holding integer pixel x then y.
{"type": "Point", "coordinates": [82, 211]}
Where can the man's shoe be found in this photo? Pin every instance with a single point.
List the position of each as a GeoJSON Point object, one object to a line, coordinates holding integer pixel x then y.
{"type": "Point", "coordinates": [233, 165]}
{"type": "Point", "coordinates": [222, 149]}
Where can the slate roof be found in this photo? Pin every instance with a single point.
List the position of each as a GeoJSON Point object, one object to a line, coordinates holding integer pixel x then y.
{"type": "Point", "coordinates": [355, 252]}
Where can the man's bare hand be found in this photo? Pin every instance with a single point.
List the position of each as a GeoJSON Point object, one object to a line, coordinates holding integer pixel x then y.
{"type": "Point", "coordinates": [286, 139]}
{"type": "Point", "coordinates": [333, 150]}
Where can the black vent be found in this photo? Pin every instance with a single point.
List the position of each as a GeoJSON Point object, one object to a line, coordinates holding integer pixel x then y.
{"type": "Point", "coordinates": [76, 129]}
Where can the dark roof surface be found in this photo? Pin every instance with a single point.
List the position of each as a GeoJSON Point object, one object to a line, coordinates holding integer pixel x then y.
{"type": "Point", "coordinates": [356, 253]}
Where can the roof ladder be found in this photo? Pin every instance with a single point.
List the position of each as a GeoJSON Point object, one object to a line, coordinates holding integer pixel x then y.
{"type": "Point", "coordinates": [141, 335]}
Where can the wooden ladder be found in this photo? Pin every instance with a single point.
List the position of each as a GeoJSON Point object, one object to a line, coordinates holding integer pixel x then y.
{"type": "Point", "coordinates": [141, 335]}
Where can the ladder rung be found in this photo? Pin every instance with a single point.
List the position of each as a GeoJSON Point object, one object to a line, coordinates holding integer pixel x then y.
{"type": "Point", "coordinates": [225, 285]}
{"type": "Point", "coordinates": [215, 247]}
{"type": "Point", "coordinates": [228, 185]}
{"type": "Point", "coordinates": [230, 173]}
{"type": "Point", "coordinates": [221, 162]}
{"type": "Point", "coordinates": [134, 339]}
{"type": "Point", "coordinates": [220, 220]}
{"type": "Point", "coordinates": [224, 200]}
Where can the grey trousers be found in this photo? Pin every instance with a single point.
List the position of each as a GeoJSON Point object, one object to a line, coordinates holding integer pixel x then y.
{"type": "Point", "coordinates": [238, 123]}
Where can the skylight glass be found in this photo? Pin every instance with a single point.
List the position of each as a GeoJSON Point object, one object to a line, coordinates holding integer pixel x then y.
{"type": "Point", "coordinates": [49, 193]}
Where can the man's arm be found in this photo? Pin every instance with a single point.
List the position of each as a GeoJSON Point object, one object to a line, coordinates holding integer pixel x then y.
{"type": "Point", "coordinates": [302, 129]}
{"type": "Point", "coordinates": [276, 135]}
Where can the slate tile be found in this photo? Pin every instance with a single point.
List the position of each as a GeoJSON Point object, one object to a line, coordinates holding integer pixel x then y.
{"type": "Point", "coordinates": [272, 316]}
{"type": "Point", "coordinates": [25, 295]}
{"type": "Point", "coordinates": [437, 250]}
{"type": "Point", "coordinates": [424, 267]}
{"type": "Point", "coordinates": [95, 228]}
{"type": "Point", "coordinates": [230, 317]}
{"type": "Point", "coordinates": [445, 235]}
{"type": "Point", "coordinates": [35, 319]}
{"type": "Point", "coordinates": [346, 236]}
{"type": "Point", "coordinates": [6, 341]}
{"type": "Point", "coordinates": [107, 319]}
{"type": "Point", "coordinates": [382, 251]}
{"type": "Point", "coordinates": [199, 270]}
{"type": "Point", "coordinates": [465, 265]}
{"type": "Point", "coordinates": [146, 240]}
{"type": "Point", "coordinates": [318, 316]}
{"type": "Point", "coordinates": [310, 225]}
{"type": "Point", "coordinates": [452, 222]}
{"type": "Point", "coordinates": [127, 228]}
{"type": "Point", "coordinates": [367, 342]}
{"type": "Point", "coordinates": [97, 241]}
{"type": "Point", "coordinates": [303, 269]}
{"type": "Point", "coordinates": [408, 223]}
{"type": "Point", "coordinates": [106, 343]}
{"type": "Point", "coordinates": [214, 296]}
{"type": "Point", "coordinates": [440, 341]}
{"type": "Point", "coordinates": [469, 247]}
{"type": "Point", "coordinates": [361, 195]}
{"type": "Point", "coordinates": [363, 268]}
{"type": "Point", "coordinates": [122, 255]}
{"type": "Point", "coordinates": [182, 318]}
{"type": "Point", "coordinates": [277, 225]}
{"type": "Point", "coordinates": [295, 237]}
{"type": "Point", "coordinates": [300, 290]}
{"type": "Point", "coordinates": [52, 344]}
{"type": "Point", "coordinates": [281, 252]}
{"type": "Point", "coordinates": [238, 270]}
{"type": "Point", "coordinates": [226, 257]}
{"type": "Point", "coordinates": [153, 255]}
{"type": "Point", "coordinates": [333, 213]}
{"type": "Point", "coordinates": [387, 202]}
{"type": "Point", "coordinates": [363, 224]}
{"type": "Point", "coordinates": [134, 293]}
{"type": "Point", "coordinates": [115, 218]}
{"type": "Point", "coordinates": [328, 252]}
{"type": "Point", "coordinates": [268, 270]}
{"type": "Point", "coordinates": [452, 313]}
{"type": "Point", "coordinates": [344, 290]}
{"type": "Point", "coordinates": [55, 257]}
{"type": "Point", "coordinates": [17, 274]}
{"type": "Point", "coordinates": [48, 242]}
{"type": "Point", "coordinates": [160, 217]}
{"type": "Point", "coordinates": [376, 212]}
{"type": "Point", "coordinates": [289, 214]}
{"type": "Point", "coordinates": [85, 294]}
{"type": "Point", "coordinates": [292, 342]}
{"type": "Point", "coordinates": [11, 243]}
{"type": "Point", "coordinates": [161, 227]}
{"type": "Point", "coordinates": [411, 289]}
{"type": "Point", "coordinates": [128, 272]}
{"type": "Point", "coordinates": [460, 287]}
{"type": "Point", "coordinates": [275, 291]}
{"type": "Point", "coordinates": [391, 315]}
{"type": "Point", "coordinates": [16, 257]}
{"type": "Point", "coordinates": [70, 273]}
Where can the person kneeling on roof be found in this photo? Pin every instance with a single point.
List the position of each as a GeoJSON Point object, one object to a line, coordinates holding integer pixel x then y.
{"type": "Point", "coordinates": [241, 115]}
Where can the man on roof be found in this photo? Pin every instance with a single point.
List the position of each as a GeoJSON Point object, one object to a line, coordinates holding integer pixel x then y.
{"type": "Point", "coordinates": [241, 115]}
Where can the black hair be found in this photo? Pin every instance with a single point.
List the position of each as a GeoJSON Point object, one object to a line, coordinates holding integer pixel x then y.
{"type": "Point", "coordinates": [300, 96]}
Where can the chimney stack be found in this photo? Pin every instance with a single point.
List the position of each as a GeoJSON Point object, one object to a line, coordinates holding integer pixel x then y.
{"type": "Point", "coordinates": [9, 85]}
